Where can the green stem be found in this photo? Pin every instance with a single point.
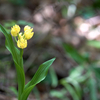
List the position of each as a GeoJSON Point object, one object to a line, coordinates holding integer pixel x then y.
{"type": "Point", "coordinates": [21, 52]}
{"type": "Point", "coordinates": [21, 58]}
{"type": "Point", "coordinates": [15, 39]}
{"type": "Point", "coordinates": [21, 65]}
{"type": "Point", "coordinates": [18, 97]}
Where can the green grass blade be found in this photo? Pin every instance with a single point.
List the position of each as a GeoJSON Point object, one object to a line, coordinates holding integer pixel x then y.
{"type": "Point", "coordinates": [77, 88]}
{"type": "Point", "coordinates": [53, 77]}
{"type": "Point", "coordinates": [71, 91]}
{"type": "Point", "coordinates": [61, 94]}
{"type": "Point", "coordinates": [72, 52]}
{"type": "Point", "coordinates": [93, 89]}
{"type": "Point", "coordinates": [96, 71]}
{"type": "Point", "coordinates": [94, 43]}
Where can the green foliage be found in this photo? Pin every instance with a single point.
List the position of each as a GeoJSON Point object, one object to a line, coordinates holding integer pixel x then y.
{"type": "Point", "coordinates": [64, 11]}
{"type": "Point", "coordinates": [36, 92]}
{"type": "Point", "coordinates": [93, 89]}
{"type": "Point", "coordinates": [38, 77]}
{"type": "Point", "coordinates": [22, 22]}
{"type": "Point", "coordinates": [87, 12]}
{"type": "Point", "coordinates": [72, 52]}
{"type": "Point", "coordinates": [94, 43]}
{"type": "Point", "coordinates": [14, 90]}
{"type": "Point", "coordinates": [41, 73]}
{"type": "Point", "coordinates": [24, 90]}
{"type": "Point", "coordinates": [96, 4]}
{"type": "Point", "coordinates": [16, 55]}
{"type": "Point", "coordinates": [8, 24]}
{"type": "Point", "coordinates": [82, 76]}
{"type": "Point", "coordinates": [97, 71]}
{"type": "Point", "coordinates": [59, 94]}
{"type": "Point", "coordinates": [72, 82]}
{"type": "Point", "coordinates": [11, 23]}
{"type": "Point", "coordinates": [18, 2]}
{"type": "Point", "coordinates": [53, 77]}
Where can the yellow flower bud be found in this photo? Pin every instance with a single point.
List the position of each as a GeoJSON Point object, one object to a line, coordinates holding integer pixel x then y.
{"type": "Point", "coordinates": [22, 38]}
{"type": "Point", "coordinates": [28, 28]}
{"type": "Point", "coordinates": [28, 34]}
{"type": "Point", "coordinates": [22, 43]}
{"type": "Point", "coordinates": [15, 30]}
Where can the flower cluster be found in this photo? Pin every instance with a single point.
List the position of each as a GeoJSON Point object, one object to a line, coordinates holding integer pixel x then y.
{"type": "Point", "coordinates": [22, 37]}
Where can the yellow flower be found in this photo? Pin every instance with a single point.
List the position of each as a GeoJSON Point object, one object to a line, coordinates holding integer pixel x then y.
{"type": "Point", "coordinates": [27, 28]}
{"type": "Point", "coordinates": [28, 32]}
{"type": "Point", "coordinates": [15, 30]}
{"type": "Point", "coordinates": [22, 38]}
{"type": "Point", "coordinates": [22, 42]}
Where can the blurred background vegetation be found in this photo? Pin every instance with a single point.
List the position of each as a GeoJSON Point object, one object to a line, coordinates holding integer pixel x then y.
{"type": "Point", "coordinates": [66, 29]}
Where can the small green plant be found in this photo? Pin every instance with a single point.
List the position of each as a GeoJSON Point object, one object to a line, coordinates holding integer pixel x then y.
{"type": "Point", "coordinates": [17, 54]}
{"type": "Point", "coordinates": [83, 79]}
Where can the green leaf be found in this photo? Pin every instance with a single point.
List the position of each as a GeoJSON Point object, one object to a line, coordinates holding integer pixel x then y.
{"type": "Point", "coordinates": [14, 90]}
{"type": "Point", "coordinates": [61, 94]}
{"type": "Point", "coordinates": [64, 11]}
{"type": "Point", "coordinates": [53, 77]}
{"type": "Point", "coordinates": [18, 2]}
{"type": "Point", "coordinates": [71, 90]}
{"type": "Point", "coordinates": [38, 77]}
{"type": "Point", "coordinates": [94, 43]}
{"type": "Point", "coordinates": [18, 62]}
{"type": "Point", "coordinates": [21, 79]}
{"type": "Point", "coordinates": [82, 78]}
{"type": "Point", "coordinates": [93, 89]}
{"type": "Point", "coordinates": [26, 92]}
{"type": "Point", "coordinates": [10, 44]}
{"type": "Point", "coordinates": [41, 73]}
{"type": "Point", "coordinates": [36, 93]}
{"type": "Point", "coordinates": [22, 22]}
{"type": "Point", "coordinates": [77, 87]}
{"type": "Point", "coordinates": [9, 23]}
{"type": "Point", "coordinates": [96, 71]}
{"type": "Point", "coordinates": [74, 54]}
{"type": "Point", "coordinates": [73, 72]}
